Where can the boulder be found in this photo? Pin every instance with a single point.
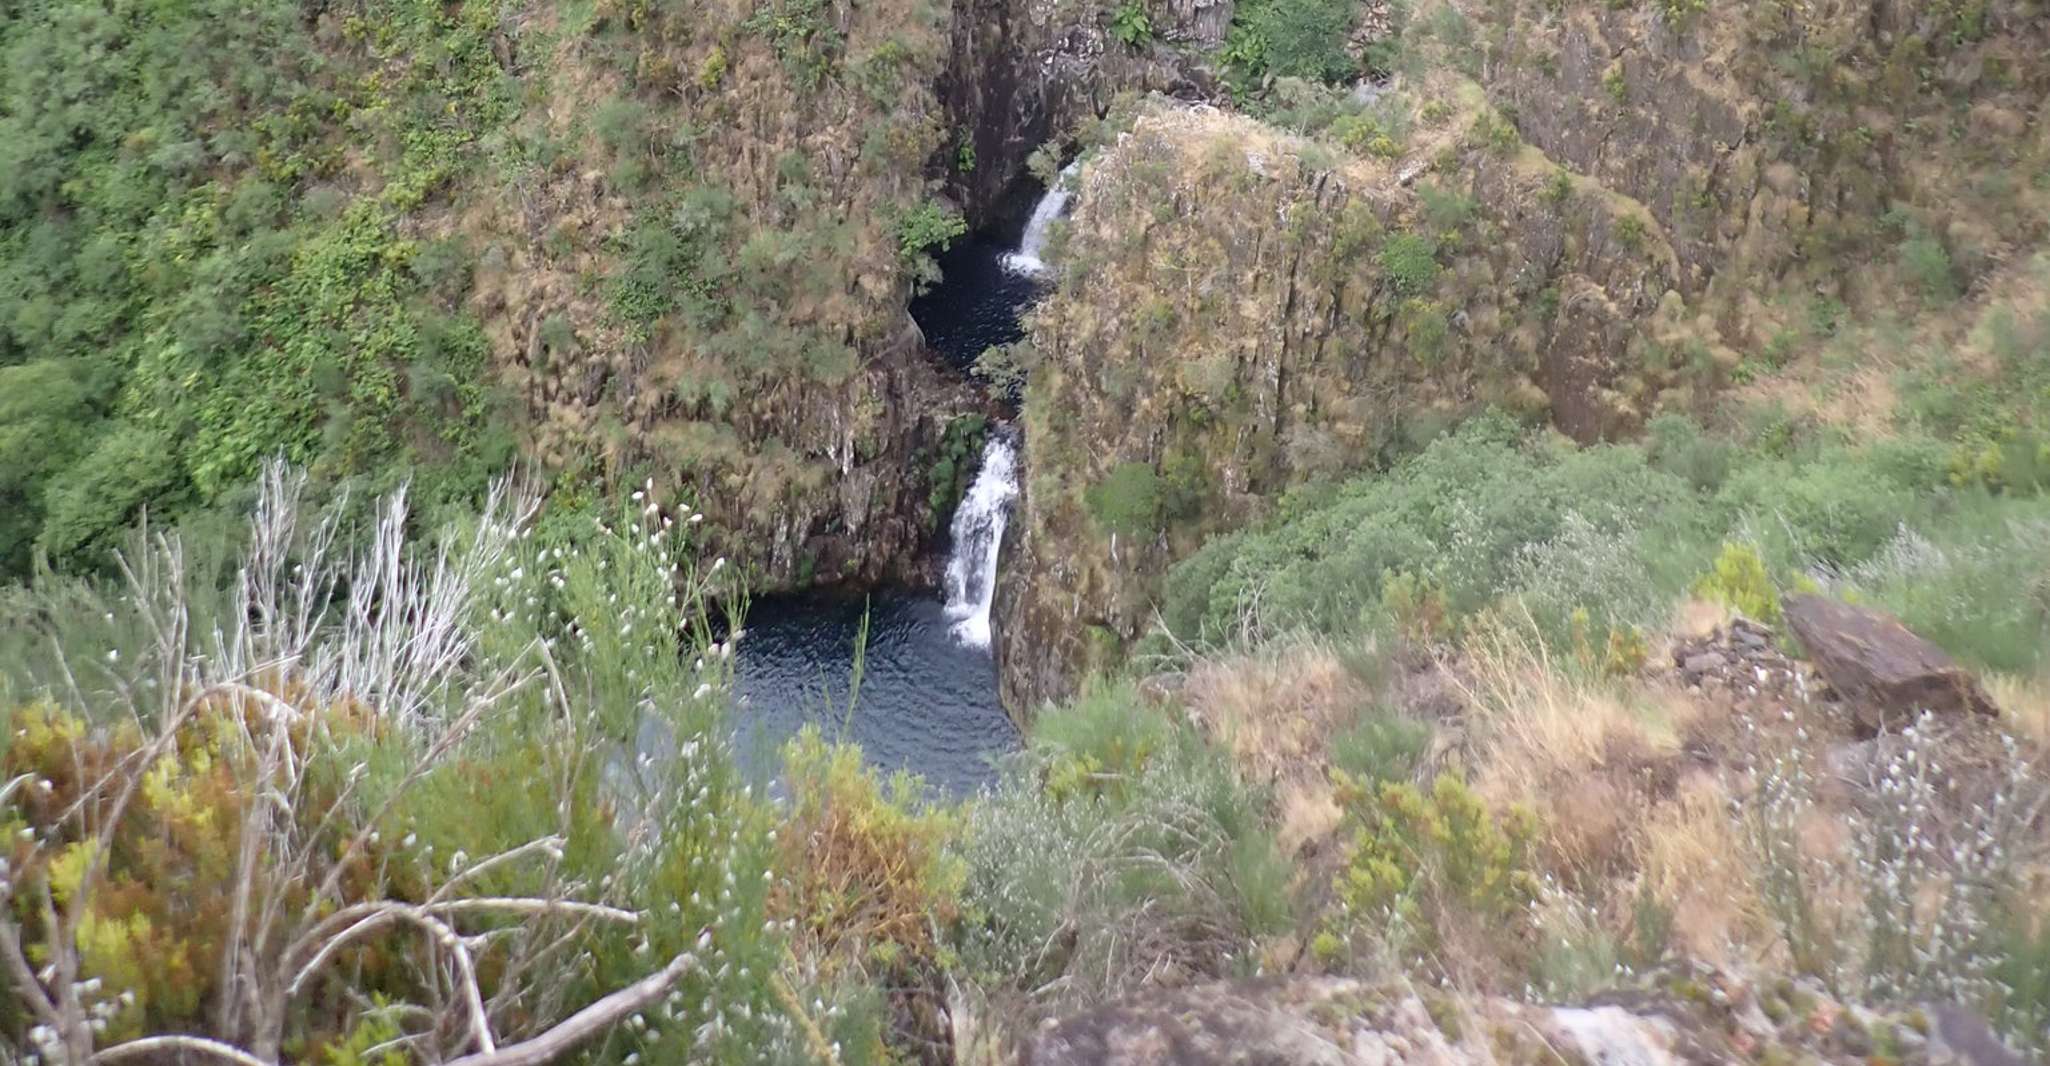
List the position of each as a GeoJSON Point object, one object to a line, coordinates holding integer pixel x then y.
{"type": "Point", "coordinates": [1870, 659]}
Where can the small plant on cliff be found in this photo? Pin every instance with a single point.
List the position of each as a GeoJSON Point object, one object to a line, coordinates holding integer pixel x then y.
{"type": "Point", "coordinates": [920, 231]}
{"type": "Point", "coordinates": [1617, 84]}
{"type": "Point", "coordinates": [1299, 38]}
{"type": "Point", "coordinates": [1680, 11]}
{"type": "Point", "coordinates": [803, 35]}
{"type": "Point", "coordinates": [952, 463]}
{"type": "Point", "coordinates": [1130, 24]}
{"type": "Point", "coordinates": [1128, 500]}
{"type": "Point", "coordinates": [1411, 260]}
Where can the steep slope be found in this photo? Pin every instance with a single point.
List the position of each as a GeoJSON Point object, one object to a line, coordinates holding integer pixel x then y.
{"type": "Point", "coordinates": [1581, 213]}
{"type": "Point", "coordinates": [396, 239]}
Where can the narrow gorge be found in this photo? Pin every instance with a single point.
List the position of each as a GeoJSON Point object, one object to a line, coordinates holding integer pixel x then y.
{"type": "Point", "coordinates": [1025, 532]}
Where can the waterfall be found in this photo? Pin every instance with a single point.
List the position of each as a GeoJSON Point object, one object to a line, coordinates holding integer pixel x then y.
{"type": "Point", "coordinates": [978, 533]}
{"type": "Point", "coordinates": [1026, 260]}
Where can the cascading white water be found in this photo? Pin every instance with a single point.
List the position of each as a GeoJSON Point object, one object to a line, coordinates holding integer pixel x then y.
{"type": "Point", "coordinates": [978, 534]}
{"type": "Point", "coordinates": [1026, 260]}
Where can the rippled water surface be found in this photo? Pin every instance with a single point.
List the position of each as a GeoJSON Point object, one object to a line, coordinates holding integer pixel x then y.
{"type": "Point", "coordinates": [927, 703]}
{"type": "Point", "coordinates": [976, 305]}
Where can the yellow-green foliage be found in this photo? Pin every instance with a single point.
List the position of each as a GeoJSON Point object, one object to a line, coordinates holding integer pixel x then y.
{"type": "Point", "coordinates": [868, 877]}
{"type": "Point", "coordinates": [153, 925]}
{"type": "Point", "coordinates": [140, 933]}
{"type": "Point", "coordinates": [1419, 858]}
{"type": "Point", "coordinates": [1740, 582]}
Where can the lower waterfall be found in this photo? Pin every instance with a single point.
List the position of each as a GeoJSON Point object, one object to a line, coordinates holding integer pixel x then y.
{"type": "Point", "coordinates": [978, 533]}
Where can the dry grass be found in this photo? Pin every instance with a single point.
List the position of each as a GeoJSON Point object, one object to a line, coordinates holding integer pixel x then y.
{"type": "Point", "coordinates": [2024, 706]}
{"type": "Point", "coordinates": [1537, 722]}
{"type": "Point", "coordinates": [1691, 858]}
{"type": "Point", "coordinates": [1275, 710]}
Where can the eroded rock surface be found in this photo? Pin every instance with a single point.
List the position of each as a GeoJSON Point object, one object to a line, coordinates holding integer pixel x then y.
{"type": "Point", "coordinates": [1703, 1017]}
{"type": "Point", "coordinates": [1889, 674]}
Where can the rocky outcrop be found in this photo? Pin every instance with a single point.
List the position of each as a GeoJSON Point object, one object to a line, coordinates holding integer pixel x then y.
{"type": "Point", "coordinates": [709, 284]}
{"type": "Point", "coordinates": [1889, 675]}
{"type": "Point", "coordinates": [1240, 310]}
{"type": "Point", "coordinates": [1024, 72]}
{"type": "Point", "coordinates": [1312, 1021]}
{"type": "Point", "coordinates": [1654, 198]}
{"type": "Point", "coordinates": [1769, 141]}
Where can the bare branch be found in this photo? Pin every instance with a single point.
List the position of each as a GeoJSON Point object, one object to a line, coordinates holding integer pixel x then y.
{"type": "Point", "coordinates": [146, 1046]}
{"type": "Point", "coordinates": [586, 1023]}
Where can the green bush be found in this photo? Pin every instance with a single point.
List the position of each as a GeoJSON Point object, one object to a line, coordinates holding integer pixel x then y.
{"type": "Point", "coordinates": [1380, 746]}
{"type": "Point", "coordinates": [1118, 845]}
{"type": "Point", "coordinates": [1739, 582]}
{"type": "Point", "coordinates": [1975, 584]}
{"type": "Point", "coordinates": [1418, 858]}
{"type": "Point", "coordinates": [1927, 265]}
{"type": "Point", "coordinates": [1130, 24]}
{"type": "Point", "coordinates": [1291, 38]}
{"type": "Point", "coordinates": [1130, 500]}
{"type": "Point", "coordinates": [1411, 260]}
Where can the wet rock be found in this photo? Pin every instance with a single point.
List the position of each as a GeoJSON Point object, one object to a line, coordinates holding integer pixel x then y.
{"type": "Point", "coordinates": [1870, 659]}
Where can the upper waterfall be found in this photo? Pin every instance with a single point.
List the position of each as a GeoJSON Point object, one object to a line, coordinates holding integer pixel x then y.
{"type": "Point", "coordinates": [1026, 260]}
{"type": "Point", "coordinates": [978, 532]}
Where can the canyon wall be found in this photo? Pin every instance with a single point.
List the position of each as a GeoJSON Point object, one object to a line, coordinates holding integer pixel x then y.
{"type": "Point", "coordinates": [1579, 213]}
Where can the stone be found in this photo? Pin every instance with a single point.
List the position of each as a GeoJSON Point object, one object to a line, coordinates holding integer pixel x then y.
{"type": "Point", "coordinates": [1706, 662]}
{"type": "Point", "coordinates": [1871, 660]}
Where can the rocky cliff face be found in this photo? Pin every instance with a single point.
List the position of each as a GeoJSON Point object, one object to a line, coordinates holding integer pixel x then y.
{"type": "Point", "coordinates": [1024, 72]}
{"type": "Point", "coordinates": [703, 274]}
{"type": "Point", "coordinates": [1579, 212]}
{"type": "Point", "coordinates": [1770, 141]}
{"type": "Point", "coordinates": [1241, 310]}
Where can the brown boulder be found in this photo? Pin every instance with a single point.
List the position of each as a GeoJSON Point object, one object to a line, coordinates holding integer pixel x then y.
{"type": "Point", "coordinates": [1871, 659]}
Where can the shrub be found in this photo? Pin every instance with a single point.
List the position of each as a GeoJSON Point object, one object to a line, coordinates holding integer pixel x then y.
{"type": "Point", "coordinates": [1411, 260]}
{"type": "Point", "coordinates": [320, 728]}
{"type": "Point", "coordinates": [867, 877]}
{"type": "Point", "coordinates": [1422, 864]}
{"type": "Point", "coordinates": [1586, 572]}
{"type": "Point", "coordinates": [1130, 24]}
{"type": "Point", "coordinates": [1927, 265]}
{"type": "Point", "coordinates": [1130, 500]}
{"type": "Point", "coordinates": [1291, 38]}
{"type": "Point", "coordinates": [1381, 746]}
{"type": "Point", "coordinates": [1917, 904]}
{"type": "Point", "coordinates": [1974, 584]}
{"type": "Point", "coordinates": [1159, 859]}
{"type": "Point", "coordinates": [1738, 581]}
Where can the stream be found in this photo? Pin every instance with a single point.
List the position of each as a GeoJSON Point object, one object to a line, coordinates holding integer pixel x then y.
{"type": "Point", "coordinates": [924, 697]}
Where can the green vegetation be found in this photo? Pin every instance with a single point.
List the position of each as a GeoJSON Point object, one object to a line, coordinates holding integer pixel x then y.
{"type": "Point", "coordinates": [1135, 500]}
{"type": "Point", "coordinates": [1291, 38]}
{"type": "Point", "coordinates": [953, 463]}
{"type": "Point", "coordinates": [1487, 515]}
{"type": "Point", "coordinates": [1411, 260]}
{"type": "Point", "coordinates": [1418, 858]}
{"type": "Point", "coordinates": [1118, 819]}
{"type": "Point", "coordinates": [1130, 24]}
{"type": "Point", "coordinates": [202, 269]}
